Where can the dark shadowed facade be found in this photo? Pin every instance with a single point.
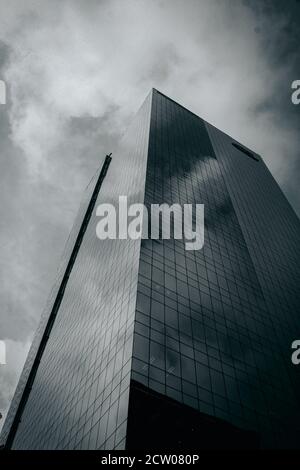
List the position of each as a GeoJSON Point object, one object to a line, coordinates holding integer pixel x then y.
{"type": "Point", "coordinates": [144, 345]}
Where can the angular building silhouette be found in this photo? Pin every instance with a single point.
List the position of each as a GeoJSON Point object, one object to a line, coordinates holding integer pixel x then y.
{"type": "Point", "coordinates": [145, 345]}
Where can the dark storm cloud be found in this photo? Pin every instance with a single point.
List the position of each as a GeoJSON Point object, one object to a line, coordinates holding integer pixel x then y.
{"type": "Point", "coordinates": [76, 71]}
{"type": "Point", "coordinates": [278, 32]}
{"type": "Point", "coordinates": [281, 19]}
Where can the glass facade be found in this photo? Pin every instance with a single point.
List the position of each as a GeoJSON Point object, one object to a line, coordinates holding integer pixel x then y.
{"type": "Point", "coordinates": [152, 337]}
{"type": "Point", "coordinates": [79, 397]}
{"type": "Point", "coordinates": [214, 327]}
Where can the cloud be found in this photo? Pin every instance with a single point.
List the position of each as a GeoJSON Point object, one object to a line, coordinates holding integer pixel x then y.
{"type": "Point", "coordinates": [76, 72]}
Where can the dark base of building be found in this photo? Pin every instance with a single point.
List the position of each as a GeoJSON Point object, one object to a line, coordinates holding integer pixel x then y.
{"type": "Point", "coordinates": [156, 422]}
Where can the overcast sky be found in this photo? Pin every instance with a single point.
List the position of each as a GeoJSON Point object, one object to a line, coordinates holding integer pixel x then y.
{"type": "Point", "coordinates": [76, 71]}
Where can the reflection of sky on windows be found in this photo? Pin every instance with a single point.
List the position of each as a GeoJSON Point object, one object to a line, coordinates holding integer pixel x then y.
{"type": "Point", "coordinates": [217, 333]}
{"type": "Point", "coordinates": [79, 397]}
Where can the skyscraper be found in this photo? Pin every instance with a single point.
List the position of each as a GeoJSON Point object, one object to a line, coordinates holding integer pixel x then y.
{"type": "Point", "coordinates": [145, 345]}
